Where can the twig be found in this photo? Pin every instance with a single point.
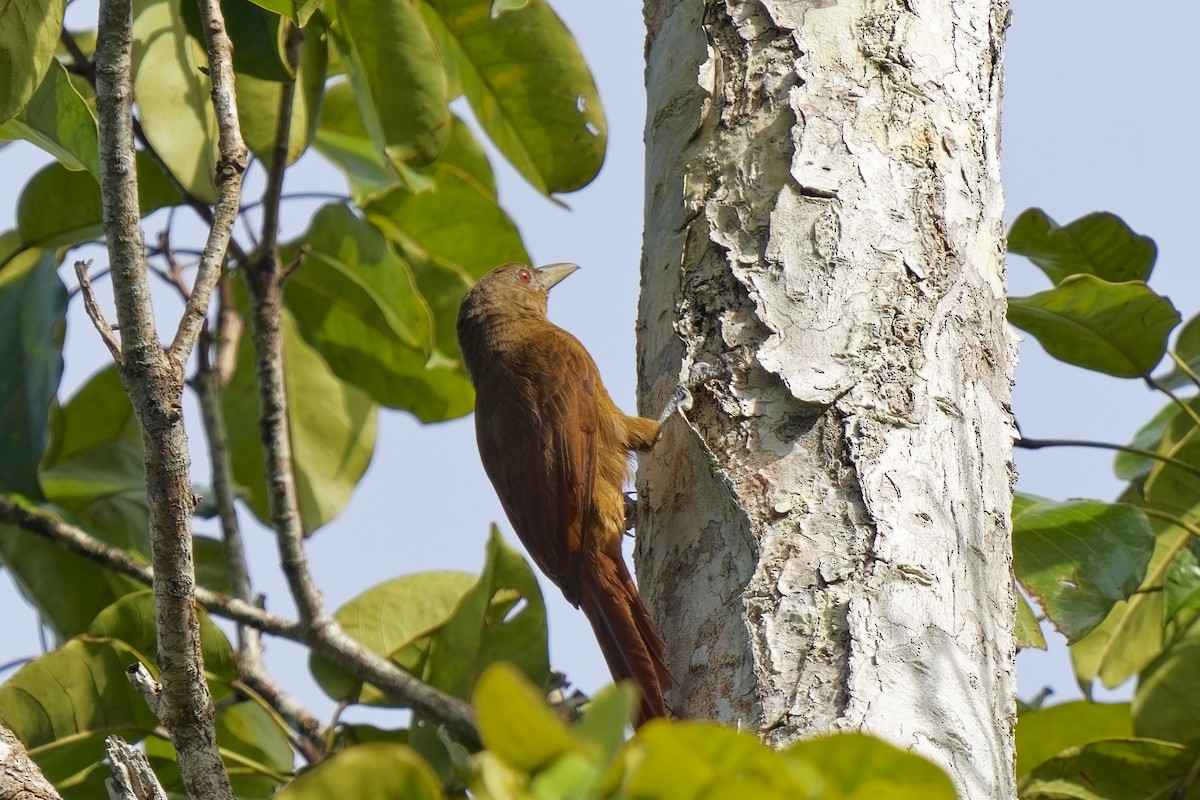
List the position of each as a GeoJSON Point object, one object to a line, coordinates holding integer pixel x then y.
{"type": "Point", "coordinates": [151, 690]}
{"type": "Point", "coordinates": [94, 313]}
{"type": "Point", "coordinates": [1184, 406]}
{"type": "Point", "coordinates": [231, 165]}
{"type": "Point", "coordinates": [297, 196]}
{"type": "Point", "coordinates": [1026, 443]}
{"type": "Point", "coordinates": [329, 640]}
{"type": "Point", "coordinates": [279, 150]}
{"type": "Point", "coordinates": [82, 65]}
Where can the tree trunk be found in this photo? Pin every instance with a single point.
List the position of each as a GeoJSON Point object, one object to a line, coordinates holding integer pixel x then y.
{"type": "Point", "coordinates": [825, 538]}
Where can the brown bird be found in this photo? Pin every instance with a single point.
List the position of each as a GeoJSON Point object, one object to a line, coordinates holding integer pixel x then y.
{"type": "Point", "coordinates": [556, 449]}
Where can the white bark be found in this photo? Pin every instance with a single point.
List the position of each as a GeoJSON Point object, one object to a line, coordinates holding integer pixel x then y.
{"type": "Point", "coordinates": [826, 542]}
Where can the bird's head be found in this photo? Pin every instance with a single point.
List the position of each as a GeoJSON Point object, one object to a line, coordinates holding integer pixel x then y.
{"type": "Point", "coordinates": [514, 289]}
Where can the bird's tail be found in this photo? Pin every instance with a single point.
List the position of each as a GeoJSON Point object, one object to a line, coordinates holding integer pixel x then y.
{"type": "Point", "coordinates": [628, 639]}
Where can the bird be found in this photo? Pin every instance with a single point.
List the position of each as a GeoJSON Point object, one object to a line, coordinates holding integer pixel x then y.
{"type": "Point", "coordinates": [557, 451]}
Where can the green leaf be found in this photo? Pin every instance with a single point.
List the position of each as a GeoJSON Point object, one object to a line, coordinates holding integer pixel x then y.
{"type": "Point", "coordinates": [298, 11]}
{"type": "Point", "coordinates": [1166, 704]}
{"type": "Point", "coordinates": [1168, 487]}
{"type": "Point", "coordinates": [173, 96]}
{"type": "Point", "coordinates": [1099, 244]}
{"type": "Point", "coordinates": [377, 771]}
{"type": "Point", "coordinates": [331, 423]}
{"type": "Point", "coordinates": [393, 619]}
{"type": "Point", "coordinates": [256, 748]}
{"type": "Point", "coordinates": [28, 35]}
{"type": "Point", "coordinates": [528, 85]}
{"type": "Point", "coordinates": [501, 618]}
{"type": "Point", "coordinates": [58, 120]}
{"type": "Point", "coordinates": [1029, 631]}
{"type": "Point", "coordinates": [1043, 734]}
{"type": "Point", "coordinates": [356, 303]}
{"type": "Point", "coordinates": [1119, 329]}
{"type": "Point", "coordinates": [1134, 467]}
{"type": "Point", "coordinates": [63, 703]}
{"type": "Point", "coordinates": [258, 47]}
{"type": "Point", "coordinates": [211, 571]}
{"type": "Point", "coordinates": [1115, 769]}
{"type": "Point", "coordinates": [343, 139]}
{"type": "Point", "coordinates": [398, 79]}
{"type": "Point", "coordinates": [33, 302]}
{"type": "Point", "coordinates": [1187, 347]}
{"type": "Point", "coordinates": [855, 765]}
{"type": "Point", "coordinates": [1079, 558]}
{"type": "Point", "coordinates": [514, 721]}
{"type": "Point", "coordinates": [258, 100]}
{"type": "Point", "coordinates": [1182, 588]}
{"type": "Point", "coordinates": [59, 207]}
{"type": "Point", "coordinates": [605, 717]}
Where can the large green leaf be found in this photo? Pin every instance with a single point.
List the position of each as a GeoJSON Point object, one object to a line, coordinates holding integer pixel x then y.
{"type": "Point", "coordinates": [1181, 591]}
{"type": "Point", "coordinates": [258, 100]}
{"type": "Point", "coordinates": [58, 120]}
{"type": "Point", "coordinates": [28, 34]}
{"type": "Point", "coordinates": [515, 723]}
{"type": "Point", "coordinates": [1169, 487]}
{"type": "Point", "coordinates": [173, 95]}
{"type": "Point", "coordinates": [398, 78]}
{"type": "Point", "coordinates": [331, 424]}
{"type": "Point", "coordinates": [529, 87]}
{"type": "Point", "coordinates": [33, 302]}
{"type": "Point", "coordinates": [59, 207]}
{"type": "Point", "coordinates": [64, 703]}
{"type": "Point", "coordinates": [1099, 244]}
{"type": "Point", "coordinates": [855, 765]}
{"type": "Point", "coordinates": [254, 742]}
{"type": "Point", "coordinates": [1119, 329]}
{"type": "Point", "coordinates": [298, 11]}
{"type": "Point", "coordinates": [356, 303]}
{"type": "Point", "coordinates": [343, 139]}
{"type": "Point", "coordinates": [502, 618]}
{"type": "Point", "coordinates": [1166, 704]}
{"type": "Point", "coordinates": [1187, 347]}
{"type": "Point", "coordinates": [1046, 732]}
{"type": "Point", "coordinates": [1079, 558]}
{"type": "Point", "coordinates": [377, 771]}
{"type": "Point", "coordinates": [393, 619]}
{"type": "Point", "coordinates": [1116, 769]}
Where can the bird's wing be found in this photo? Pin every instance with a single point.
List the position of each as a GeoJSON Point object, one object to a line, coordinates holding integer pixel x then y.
{"type": "Point", "coordinates": [540, 453]}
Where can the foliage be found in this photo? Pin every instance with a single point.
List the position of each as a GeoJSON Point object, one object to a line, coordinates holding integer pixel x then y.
{"type": "Point", "coordinates": [1119, 580]}
{"type": "Point", "coordinates": [367, 323]}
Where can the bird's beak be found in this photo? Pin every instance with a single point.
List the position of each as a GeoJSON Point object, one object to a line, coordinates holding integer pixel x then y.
{"type": "Point", "coordinates": [550, 275]}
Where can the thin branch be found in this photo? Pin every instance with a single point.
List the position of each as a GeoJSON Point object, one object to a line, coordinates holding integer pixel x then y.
{"type": "Point", "coordinates": [1185, 367]}
{"type": "Point", "coordinates": [1184, 405]}
{"type": "Point", "coordinates": [1026, 443]}
{"type": "Point", "coordinates": [95, 314]}
{"type": "Point", "coordinates": [279, 151]}
{"type": "Point", "coordinates": [297, 196]}
{"type": "Point", "coordinates": [329, 641]}
{"type": "Point", "coordinates": [1171, 519]}
{"type": "Point", "coordinates": [83, 64]}
{"type": "Point", "coordinates": [231, 166]}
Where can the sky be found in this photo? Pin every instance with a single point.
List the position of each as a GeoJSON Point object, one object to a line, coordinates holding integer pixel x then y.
{"type": "Point", "coordinates": [1094, 118]}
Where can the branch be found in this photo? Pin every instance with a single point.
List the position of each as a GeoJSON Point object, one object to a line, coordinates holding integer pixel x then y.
{"type": "Point", "coordinates": [231, 165]}
{"type": "Point", "coordinates": [94, 313]}
{"type": "Point", "coordinates": [327, 639]}
{"type": "Point", "coordinates": [19, 776]}
{"type": "Point", "coordinates": [132, 778]}
{"type": "Point", "coordinates": [1026, 443]}
{"type": "Point", "coordinates": [279, 150]}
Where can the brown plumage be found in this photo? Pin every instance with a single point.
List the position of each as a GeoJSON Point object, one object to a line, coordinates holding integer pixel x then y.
{"type": "Point", "coordinates": [556, 449]}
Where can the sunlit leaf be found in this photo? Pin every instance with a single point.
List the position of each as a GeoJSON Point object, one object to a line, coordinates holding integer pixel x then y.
{"type": "Point", "coordinates": [377, 771]}
{"type": "Point", "coordinates": [1115, 769]}
{"type": "Point", "coordinates": [1046, 732]}
{"type": "Point", "coordinates": [60, 122]}
{"type": "Point", "coordinates": [28, 35]}
{"type": "Point", "coordinates": [1028, 630]}
{"type": "Point", "coordinates": [1099, 244]}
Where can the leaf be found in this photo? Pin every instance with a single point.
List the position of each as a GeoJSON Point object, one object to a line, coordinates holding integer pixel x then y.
{"type": "Point", "coordinates": [211, 571]}
{"type": "Point", "coordinates": [342, 138]}
{"type": "Point", "coordinates": [398, 79]}
{"type": "Point", "coordinates": [28, 35]}
{"type": "Point", "coordinates": [1078, 558]}
{"type": "Point", "coordinates": [1115, 769]}
{"type": "Point", "coordinates": [1187, 347]}
{"type": "Point", "coordinates": [1028, 630]}
{"type": "Point", "coordinates": [259, 739]}
{"type": "Point", "coordinates": [501, 618]}
{"type": "Point", "coordinates": [528, 85]}
{"type": "Point", "coordinates": [258, 99]}
{"type": "Point", "coordinates": [1119, 329]}
{"type": "Point", "coordinates": [1181, 592]}
{"type": "Point", "coordinates": [1099, 244]}
{"type": "Point", "coordinates": [77, 692]}
{"type": "Point", "coordinates": [355, 302]}
{"type": "Point", "coordinates": [59, 207]}
{"type": "Point", "coordinates": [1166, 704]}
{"type": "Point", "coordinates": [331, 424]}
{"type": "Point", "coordinates": [298, 11]}
{"type": "Point", "coordinates": [1168, 487]}
{"type": "Point", "coordinates": [514, 721]}
{"type": "Point", "coordinates": [855, 765]}
{"type": "Point", "coordinates": [173, 96]}
{"type": "Point", "coordinates": [377, 771]}
{"type": "Point", "coordinates": [33, 303]}
{"type": "Point", "coordinates": [605, 717]}
{"type": "Point", "coordinates": [58, 120]}
{"type": "Point", "coordinates": [393, 619]}
{"type": "Point", "coordinates": [1046, 732]}
{"type": "Point", "coordinates": [1134, 467]}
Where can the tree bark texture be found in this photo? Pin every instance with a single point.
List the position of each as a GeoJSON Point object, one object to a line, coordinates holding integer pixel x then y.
{"type": "Point", "coordinates": [825, 536]}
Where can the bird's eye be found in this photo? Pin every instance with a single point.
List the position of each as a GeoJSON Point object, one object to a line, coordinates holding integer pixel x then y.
{"type": "Point", "coordinates": [524, 276]}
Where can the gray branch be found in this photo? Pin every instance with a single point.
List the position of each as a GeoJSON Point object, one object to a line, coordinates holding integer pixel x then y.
{"type": "Point", "coordinates": [20, 778]}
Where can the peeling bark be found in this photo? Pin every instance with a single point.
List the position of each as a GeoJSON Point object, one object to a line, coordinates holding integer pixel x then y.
{"type": "Point", "coordinates": [826, 538]}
